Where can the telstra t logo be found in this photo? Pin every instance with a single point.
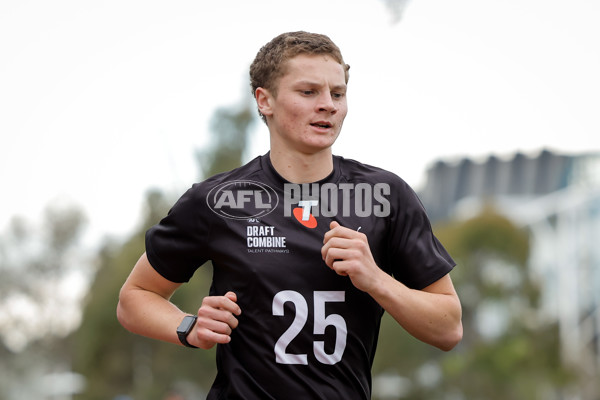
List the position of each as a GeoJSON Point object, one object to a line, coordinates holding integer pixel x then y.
{"type": "Point", "coordinates": [303, 215]}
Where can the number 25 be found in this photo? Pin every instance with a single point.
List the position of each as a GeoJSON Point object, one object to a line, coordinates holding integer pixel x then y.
{"type": "Point", "coordinates": [321, 322]}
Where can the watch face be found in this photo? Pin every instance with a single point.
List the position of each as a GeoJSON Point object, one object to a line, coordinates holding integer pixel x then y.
{"type": "Point", "coordinates": [187, 324]}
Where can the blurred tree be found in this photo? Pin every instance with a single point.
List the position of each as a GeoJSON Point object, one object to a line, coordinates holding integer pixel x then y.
{"type": "Point", "coordinates": [38, 299]}
{"type": "Point", "coordinates": [230, 128]}
{"type": "Point", "coordinates": [115, 361]}
{"type": "Point", "coordinates": [507, 351]}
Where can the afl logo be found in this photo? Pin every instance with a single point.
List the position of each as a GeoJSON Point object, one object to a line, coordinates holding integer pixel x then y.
{"type": "Point", "coordinates": [242, 199]}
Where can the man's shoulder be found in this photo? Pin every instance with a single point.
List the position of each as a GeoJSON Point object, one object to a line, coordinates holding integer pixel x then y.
{"type": "Point", "coordinates": [356, 171]}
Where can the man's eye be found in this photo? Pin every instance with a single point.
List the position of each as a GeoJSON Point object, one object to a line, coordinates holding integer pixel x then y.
{"type": "Point", "coordinates": [307, 92]}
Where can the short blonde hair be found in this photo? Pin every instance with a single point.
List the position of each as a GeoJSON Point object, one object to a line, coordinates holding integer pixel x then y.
{"type": "Point", "coordinates": [269, 64]}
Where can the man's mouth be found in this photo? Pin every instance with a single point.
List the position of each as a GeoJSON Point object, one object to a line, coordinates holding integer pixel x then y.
{"type": "Point", "coordinates": [323, 125]}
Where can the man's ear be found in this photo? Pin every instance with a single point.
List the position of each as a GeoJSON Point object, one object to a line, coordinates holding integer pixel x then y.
{"type": "Point", "coordinates": [264, 100]}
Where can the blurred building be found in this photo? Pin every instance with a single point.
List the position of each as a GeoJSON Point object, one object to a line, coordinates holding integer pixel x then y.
{"type": "Point", "coordinates": [557, 197]}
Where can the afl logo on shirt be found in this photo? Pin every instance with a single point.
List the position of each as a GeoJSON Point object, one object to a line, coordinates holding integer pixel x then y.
{"type": "Point", "coordinates": [242, 199]}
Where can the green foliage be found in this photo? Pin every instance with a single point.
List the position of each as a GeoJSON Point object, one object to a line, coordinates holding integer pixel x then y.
{"type": "Point", "coordinates": [519, 358]}
{"type": "Point", "coordinates": [33, 256]}
{"type": "Point", "coordinates": [487, 235]}
{"type": "Point", "coordinates": [229, 138]}
{"type": "Point", "coordinates": [522, 364]}
{"type": "Point", "coordinates": [35, 262]}
{"type": "Point", "coordinates": [115, 361]}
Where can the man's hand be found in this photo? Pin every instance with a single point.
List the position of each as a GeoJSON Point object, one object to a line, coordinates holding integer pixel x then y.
{"type": "Point", "coordinates": [347, 252]}
{"type": "Point", "coordinates": [432, 314]}
{"type": "Point", "coordinates": [216, 321]}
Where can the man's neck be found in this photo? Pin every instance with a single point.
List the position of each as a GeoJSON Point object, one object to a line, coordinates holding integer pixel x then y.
{"type": "Point", "coordinates": [302, 168]}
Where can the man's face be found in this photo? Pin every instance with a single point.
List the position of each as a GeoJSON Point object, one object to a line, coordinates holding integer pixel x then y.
{"type": "Point", "coordinates": [308, 112]}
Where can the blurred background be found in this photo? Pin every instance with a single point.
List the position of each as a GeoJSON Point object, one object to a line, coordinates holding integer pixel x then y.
{"type": "Point", "coordinates": [110, 110]}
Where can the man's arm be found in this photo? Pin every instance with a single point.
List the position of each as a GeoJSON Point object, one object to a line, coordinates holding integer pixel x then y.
{"type": "Point", "coordinates": [144, 308]}
{"type": "Point", "coordinates": [432, 315]}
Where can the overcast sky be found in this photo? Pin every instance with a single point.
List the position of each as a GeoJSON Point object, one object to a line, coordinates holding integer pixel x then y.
{"type": "Point", "coordinates": [101, 100]}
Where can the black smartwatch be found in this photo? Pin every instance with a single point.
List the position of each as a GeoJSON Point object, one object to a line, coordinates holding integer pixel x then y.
{"type": "Point", "coordinates": [184, 328]}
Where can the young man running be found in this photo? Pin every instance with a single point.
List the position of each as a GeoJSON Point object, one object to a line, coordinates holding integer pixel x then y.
{"type": "Point", "coordinates": [308, 249]}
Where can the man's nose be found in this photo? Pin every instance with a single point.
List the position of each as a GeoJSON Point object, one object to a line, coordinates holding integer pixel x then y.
{"type": "Point", "coordinates": [326, 103]}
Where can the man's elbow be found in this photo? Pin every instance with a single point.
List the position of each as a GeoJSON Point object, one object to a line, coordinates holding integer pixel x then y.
{"type": "Point", "coordinates": [122, 314]}
{"type": "Point", "coordinates": [451, 338]}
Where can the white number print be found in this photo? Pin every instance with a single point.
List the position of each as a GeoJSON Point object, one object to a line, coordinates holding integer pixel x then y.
{"type": "Point", "coordinates": [321, 322]}
{"type": "Point", "coordinates": [279, 300]}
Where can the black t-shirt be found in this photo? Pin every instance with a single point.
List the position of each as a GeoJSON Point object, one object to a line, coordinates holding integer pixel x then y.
{"type": "Point", "coordinates": [304, 332]}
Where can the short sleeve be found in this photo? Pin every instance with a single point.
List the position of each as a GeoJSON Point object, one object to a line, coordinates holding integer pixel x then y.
{"type": "Point", "coordinates": [418, 258]}
{"type": "Point", "coordinates": [177, 245]}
